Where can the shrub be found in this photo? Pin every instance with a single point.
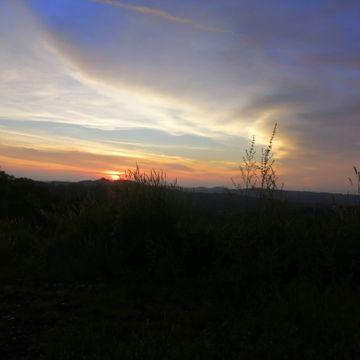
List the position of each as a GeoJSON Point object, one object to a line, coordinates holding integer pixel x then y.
{"type": "Point", "coordinates": [258, 173]}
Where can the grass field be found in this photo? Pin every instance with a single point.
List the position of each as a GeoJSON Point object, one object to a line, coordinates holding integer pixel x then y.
{"type": "Point", "coordinates": [141, 270]}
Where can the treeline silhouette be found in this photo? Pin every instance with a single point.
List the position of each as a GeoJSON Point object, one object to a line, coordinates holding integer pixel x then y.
{"type": "Point", "coordinates": [141, 269]}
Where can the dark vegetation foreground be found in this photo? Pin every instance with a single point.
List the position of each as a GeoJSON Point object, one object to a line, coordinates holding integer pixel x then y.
{"type": "Point", "coordinates": [133, 271]}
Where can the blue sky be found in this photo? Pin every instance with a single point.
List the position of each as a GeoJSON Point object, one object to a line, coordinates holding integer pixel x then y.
{"type": "Point", "coordinates": [181, 85]}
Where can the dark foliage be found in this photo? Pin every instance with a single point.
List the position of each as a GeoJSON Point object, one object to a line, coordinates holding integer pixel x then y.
{"type": "Point", "coordinates": [142, 270]}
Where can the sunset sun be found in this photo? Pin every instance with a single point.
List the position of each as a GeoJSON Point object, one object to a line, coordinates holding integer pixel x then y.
{"type": "Point", "coordinates": [114, 175]}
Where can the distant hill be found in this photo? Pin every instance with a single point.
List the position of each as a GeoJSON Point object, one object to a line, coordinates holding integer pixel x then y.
{"type": "Point", "coordinates": [302, 197]}
{"type": "Point", "coordinates": [214, 198]}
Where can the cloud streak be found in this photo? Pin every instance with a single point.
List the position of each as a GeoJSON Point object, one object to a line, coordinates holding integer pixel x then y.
{"type": "Point", "coordinates": [161, 14]}
{"type": "Point", "coordinates": [90, 79]}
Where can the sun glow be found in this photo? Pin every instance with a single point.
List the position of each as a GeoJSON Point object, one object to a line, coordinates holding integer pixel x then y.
{"type": "Point", "coordinates": [115, 175]}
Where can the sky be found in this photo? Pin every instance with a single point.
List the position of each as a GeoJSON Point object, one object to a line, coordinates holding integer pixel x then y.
{"type": "Point", "coordinates": [90, 88]}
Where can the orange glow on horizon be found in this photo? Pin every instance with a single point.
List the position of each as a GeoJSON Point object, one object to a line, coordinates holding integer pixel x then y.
{"type": "Point", "coordinates": [115, 175]}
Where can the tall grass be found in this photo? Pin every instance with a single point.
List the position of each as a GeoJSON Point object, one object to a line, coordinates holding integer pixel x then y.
{"type": "Point", "coordinates": [268, 177]}
{"type": "Point", "coordinates": [156, 178]}
{"type": "Point", "coordinates": [258, 173]}
{"type": "Point", "coordinates": [355, 181]}
{"type": "Point", "coordinates": [150, 188]}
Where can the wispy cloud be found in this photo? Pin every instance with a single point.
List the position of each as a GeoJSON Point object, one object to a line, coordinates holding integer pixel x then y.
{"type": "Point", "coordinates": [162, 14]}
{"type": "Point", "coordinates": [152, 96]}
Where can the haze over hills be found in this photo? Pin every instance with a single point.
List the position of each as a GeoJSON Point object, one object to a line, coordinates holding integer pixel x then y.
{"type": "Point", "coordinates": [306, 197]}
{"type": "Point", "coordinates": [218, 192]}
